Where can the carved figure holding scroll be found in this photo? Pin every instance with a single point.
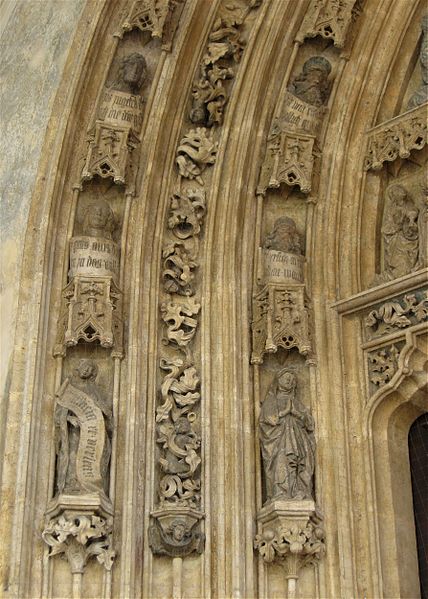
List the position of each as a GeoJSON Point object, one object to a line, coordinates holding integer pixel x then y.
{"type": "Point", "coordinates": [420, 96]}
{"type": "Point", "coordinates": [132, 73]}
{"type": "Point", "coordinates": [400, 235]}
{"type": "Point", "coordinates": [98, 220]}
{"type": "Point", "coordinates": [284, 237]}
{"type": "Point", "coordinates": [287, 441]}
{"type": "Point", "coordinates": [312, 84]}
{"type": "Point", "coordinates": [83, 418]}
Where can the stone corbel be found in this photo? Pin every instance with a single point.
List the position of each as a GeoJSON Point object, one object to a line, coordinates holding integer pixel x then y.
{"type": "Point", "coordinates": [110, 154]}
{"type": "Point", "coordinates": [291, 534]}
{"type": "Point", "coordinates": [80, 526]}
{"type": "Point", "coordinates": [175, 531]}
{"type": "Point", "coordinates": [330, 19]}
{"type": "Point", "coordinates": [289, 159]}
{"type": "Point", "coordinates": [280, 319]}
{"type": "Point", "coordinates": [92, 312]}
{"type": "Point", "coordinates": [396, 138]}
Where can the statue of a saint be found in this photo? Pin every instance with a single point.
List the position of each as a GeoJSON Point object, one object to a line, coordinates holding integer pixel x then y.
{"type": "Point", "coordinates": [284, 237]}
{"type": "Point", "coordinates": [98, 220]}
{"type": "Point", "coordinates": [287, 440]}
{"type": "Point", "coordinates": [400, 233]}
{"type": "Point", "coordinates": [83, 418]}
{"type": "Point", "coordinates": [132, 73]}
{"type": "Point", "coordinates": [312, 84]}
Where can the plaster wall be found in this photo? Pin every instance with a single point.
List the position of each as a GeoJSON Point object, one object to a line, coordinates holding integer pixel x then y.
{"type": "Point", "coordinates": [35, 41]}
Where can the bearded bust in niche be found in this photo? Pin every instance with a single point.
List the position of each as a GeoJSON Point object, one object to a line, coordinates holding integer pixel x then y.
{"type": "Point", "coordinates": [400, 233]}
{"type": "Point", "coordinates": [284, 237]}
{"type": "Point", "coordinates": [312, 84]}
{"type": "Point", "coordinates": [132, 74]}
{"type": "Point", "coordinates": [98, 220]}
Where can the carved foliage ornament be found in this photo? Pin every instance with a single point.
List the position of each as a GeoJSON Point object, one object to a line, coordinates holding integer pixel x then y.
{"type": "Point", "coordinates": [180, 254]}
{"type": "Point", "coordinates": [195, 152]}
{"type": "Point", "coordinates": [330, 19]}
{"type": "Point", "coordinates": [398, 314]}
{"type": "Point", "coordinates": [396, 138]}
{"type": "Point", "coordinates": [383, 364]}
{"type": "Point", "coordinates": [159, 17]}
{"type": "Point", "coordinates": [303, 544]}
{"type": "Point", "coordinates": [79, 538]}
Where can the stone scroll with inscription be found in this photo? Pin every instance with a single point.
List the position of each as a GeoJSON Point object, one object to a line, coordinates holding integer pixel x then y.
{"type": "Point", "coordinates": [87, 450]}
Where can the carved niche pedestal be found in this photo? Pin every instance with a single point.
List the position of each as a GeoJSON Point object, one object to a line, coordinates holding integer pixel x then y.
{"type": "Point", "coordinates": [80, 526]}
{"type": "Point", "coordinates": [290, 533]}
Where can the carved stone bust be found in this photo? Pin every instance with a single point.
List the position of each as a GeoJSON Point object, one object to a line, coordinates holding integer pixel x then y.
{"type": "Point", "coordinates": [312, 84]}
{"type": "Point", "coordinates": [287, 441]}
{"type": "Point", "coordinates": [98, 220]}
{"type": "Point", "coordinates": [284, 237]}
{"type": "Point", "coordinates": [131, 75]}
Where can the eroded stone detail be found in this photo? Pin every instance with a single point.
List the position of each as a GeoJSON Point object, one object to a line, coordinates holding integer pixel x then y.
{"type": "Point", "coordinates": [181, 252]}
{"type": "Point", "coordinates": [401, 235]}
{"type": "Point", "coordinates": [159, 17]}
{"type": "Point", "coordinates": [312, 85]}
{"type": "Point", "coordinates": [383, 364]}
{"type": "Point", "coordinates": [180, 322]}
{"type": "Point", "coordinates": [396, 138]}
{"type": "Point", "coordinates": [291, 144]}
{"type": "Point", "coordinates": [286, 430]}
{"type": "Point", "coordinates": [330, 19]}
{"type": "Point", "coordinates": [398, 314]}
{"type": "Point", "coordinates": [195, 152]}
{"type": "Point", "coordinates": [84, 423]}
{"type": "Point", "coordinates": [281, 308]}
{"type": "Point", "coordinates": [80, 537]}
{"type": "Point", "coordinates": [175, 533]}
{"type": "Point", "coordinates": [92, 302]}
{"type": "Point", "coordinates": [115, 135]}
{"type": "Point", "coordinates": [420, 96]}
{"type": "Point", "coordinates": [292, 535]}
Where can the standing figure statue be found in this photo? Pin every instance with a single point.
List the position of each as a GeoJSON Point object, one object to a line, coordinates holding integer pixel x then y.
{"type": "Point", "coordinates": [287, 441]}
{"type": "Point", "coordinates": [400, 232]}
{"type": "Point", "coordinates": [83, 418]}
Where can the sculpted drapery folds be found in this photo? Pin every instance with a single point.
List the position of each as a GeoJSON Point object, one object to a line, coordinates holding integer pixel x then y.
{"type": "Point", "coordinates": [287, 441]}
{"type": "Point", "coordinates": [83, 418]}
{"type": "Point", "coordinates": [400, 232]}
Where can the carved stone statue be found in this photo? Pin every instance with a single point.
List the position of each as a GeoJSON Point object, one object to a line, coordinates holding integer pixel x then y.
{"type": "Point", "coordinates": [420, 96]}
{"type": "Point", "coordinates": [284, 237]}
{"type": "Point", "coordinates": [312, 84]}
{"type": "Point", "coordinates": [98, 220]}
{"type": "Point", "coordinates": [400, 233]}
{"type": "Point", "coordinates": [287, 441]}
{"type": "Point", "coordinates": [83, 418]}
{"type": "Point", "coordinates": [132, 74]}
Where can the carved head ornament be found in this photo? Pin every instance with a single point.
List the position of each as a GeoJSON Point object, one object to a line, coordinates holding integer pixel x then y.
{"type": "Point", "coordinates": [87, 369]}
{"type": "Point", "coordinates": [98, 220]}
{"type": "Point", "coordinates": [284, 237]}
{"type": "Point", "coordinates": [132, 73]}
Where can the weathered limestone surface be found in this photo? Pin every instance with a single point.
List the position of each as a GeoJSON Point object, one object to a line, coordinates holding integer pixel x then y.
{"type": "Point", "coordinates": [219, 253]}
{"type": "Point", "coordinates": [35, 40]}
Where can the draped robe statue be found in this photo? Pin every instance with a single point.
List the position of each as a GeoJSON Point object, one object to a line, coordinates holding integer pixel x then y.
{"type": "Point", "coordinates": [287, 441]}
{"type": "Point", "coordinates": [83, 418]}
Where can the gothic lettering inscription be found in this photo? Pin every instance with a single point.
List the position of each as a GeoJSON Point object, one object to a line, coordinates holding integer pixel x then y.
{"type": "Point", "coordinates": [97, 257]}
{"type": "Point", "coordinates": [301, 116]}
{"type": "Point", "coordinates": [280, 267]}
{"type": "Point", "coordinates": [122, 109]}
